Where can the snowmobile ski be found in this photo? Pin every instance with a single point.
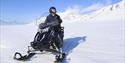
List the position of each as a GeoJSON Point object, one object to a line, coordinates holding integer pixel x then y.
{"type": "Point", "coordinates": [43, 49]}
{"type": "Point", "coordinates": [23, 58]}
{"type": "Point", "coordinates": [60, 58]}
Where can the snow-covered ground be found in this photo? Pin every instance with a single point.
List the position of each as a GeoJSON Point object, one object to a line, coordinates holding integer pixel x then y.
{"type": "Point", "coordinates": [97, 39]}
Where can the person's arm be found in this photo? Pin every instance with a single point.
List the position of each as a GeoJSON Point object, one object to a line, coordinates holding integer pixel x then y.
{"type": "Point", "coordinates": [50, 23]}
{"type": "Point", "coordinates": [53, 23]}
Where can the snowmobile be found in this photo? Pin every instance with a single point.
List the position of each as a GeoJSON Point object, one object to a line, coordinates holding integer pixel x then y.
{"type": "Point", "coordinates": [46, 39]}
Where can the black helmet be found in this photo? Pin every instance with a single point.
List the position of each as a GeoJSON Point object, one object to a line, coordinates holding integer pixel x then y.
{"type": "Point", "coordinates": [52, 8]}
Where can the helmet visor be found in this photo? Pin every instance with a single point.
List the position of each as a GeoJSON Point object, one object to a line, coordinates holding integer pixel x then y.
{"type": "Point", "coordinates": [53, 10]}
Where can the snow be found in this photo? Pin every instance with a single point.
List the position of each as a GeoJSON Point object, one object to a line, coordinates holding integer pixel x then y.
{"type": "Point", "coordinates": [94, 38]}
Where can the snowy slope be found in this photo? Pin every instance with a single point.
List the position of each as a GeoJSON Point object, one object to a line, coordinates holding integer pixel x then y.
{"type": "Point", "coordinates": [89, 39]}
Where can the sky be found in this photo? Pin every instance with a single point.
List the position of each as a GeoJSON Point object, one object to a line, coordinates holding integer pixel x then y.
{"type": "Point", "coordinates": [29, 10]}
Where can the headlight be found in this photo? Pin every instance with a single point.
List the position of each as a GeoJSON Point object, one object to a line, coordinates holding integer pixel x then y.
{"type": "Point", "coordinates": [43, 30]}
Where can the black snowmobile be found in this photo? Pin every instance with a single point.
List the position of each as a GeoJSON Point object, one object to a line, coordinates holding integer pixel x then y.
{"type": "Point", "coordinates": [46, 39]}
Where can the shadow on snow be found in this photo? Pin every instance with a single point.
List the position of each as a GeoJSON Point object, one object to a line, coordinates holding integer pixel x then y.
{"type": "Point", "coordinates": [71, 43]}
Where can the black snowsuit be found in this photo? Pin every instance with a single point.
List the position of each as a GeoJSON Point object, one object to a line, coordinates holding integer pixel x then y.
{"type": "Point", "coordinates": [54, 21]}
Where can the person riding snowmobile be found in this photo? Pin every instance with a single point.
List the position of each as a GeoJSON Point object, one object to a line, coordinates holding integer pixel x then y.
{"type": "Point", "coordinates": [54, 19]}
{"type": "Point", "coordinates": [48, 38]}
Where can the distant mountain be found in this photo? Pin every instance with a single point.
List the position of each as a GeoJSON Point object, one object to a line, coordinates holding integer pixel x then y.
{"type": "Point", "coordinates": [3, 22]}
{"type": "Point", "coordinates": [70, 16]}
{"type": "Point", "coordinates": [74, 16]}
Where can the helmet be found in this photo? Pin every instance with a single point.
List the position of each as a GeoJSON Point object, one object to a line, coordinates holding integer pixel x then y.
{"type": "Point", "coordinates": [52, 10]}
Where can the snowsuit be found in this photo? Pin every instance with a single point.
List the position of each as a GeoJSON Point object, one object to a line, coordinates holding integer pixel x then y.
{"type": "Point", "coordinates": [54, 21]}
